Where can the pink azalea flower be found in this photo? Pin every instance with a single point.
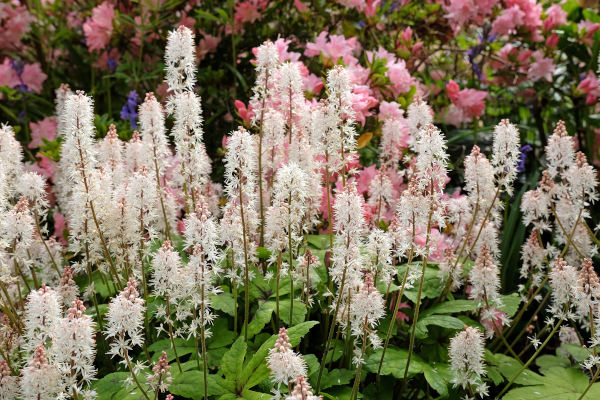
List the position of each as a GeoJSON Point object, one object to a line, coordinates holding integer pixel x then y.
{"type": "Point", "coordinates": [494, 324]}
{"type": "Point", "coordinates": [99, 27]}
{"type": "Point", "coordinates": [555, 16]}
{"type": "Point", "coordinates": [390, 110]}
{"type": "Point", "coordinates": [587, 30]}
{"type": "Point", "coordinates": [282, 45]}
{"type": "Point", "coordinates": [552, 40]}
{"type": "Point", "coordinates": [208, 44]}
{"type": "Point", "coordinates": [470, 101]}
{"type": "Point", "coordinates": [333, 47]}
{"type": "Point", "coordinates": [44, 129]}
{"type": "Point", "coordinates": [406, 34]}
{"type": "Point", "coordinates": [362, 102]}
{"type": "Point", "coordinates": [59, 227]}
{"type": "Point", "coordinates": [400, 77]}
{"type": "Point", "coordinates": [8, 76]}
{"type": "Point", "coordinates": [453, 90]}
{"type": "Point", "coordinates": [102, 62]}
{"type": "Point", "coordinates": [245, 114]}
{"type": "Point", "coordinates": [591, 87]}
{"type": "Point", "coordinates": [455, 116]}
{"type": "Point", "coordinates": [532, 18]}
{"type": "Point", "coordinates": [365, 177]}
{"type": "Point", "coordinates": [33, 77]}
{"type": "Point", "coordinates": [14, 23]}
{"type": "Point", "coordinates": [402, 306]}
{"type": "Point", "coordinates": [249, 10]}
{"type": "Point", "coordinates": [508, 22]}
{"type": "Point", "coordinates": [312, 83]}
{"type": "Point", "coordinates": [45, 167]}
{"type": "Point", "coordinates": [369, 7]}
{"type": "Point", "coordinates": [300, 6]}
{"type": "Point", "coordinates": [541, 68]}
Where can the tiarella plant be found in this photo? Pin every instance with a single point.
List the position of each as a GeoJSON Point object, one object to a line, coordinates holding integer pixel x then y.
{"type": "Point", "coordinates": [132, 272]}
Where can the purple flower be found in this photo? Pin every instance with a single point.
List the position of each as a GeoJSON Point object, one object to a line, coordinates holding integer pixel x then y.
{"type": "Point", "coordinates": [128, 112]}
{"type": "Point", "coordinates": [112, 64]}
{"type": "Point", "coordinates": [523, 157]}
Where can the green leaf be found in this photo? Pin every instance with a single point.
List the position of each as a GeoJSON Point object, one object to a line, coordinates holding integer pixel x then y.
{"type": "Point", "coordinates": [232, 363]}
{"type": "Point", "coordinates": [450, 307]}
{"type": "Point", "coordinates": [190, 384]}
{"type": "Point", "coordinates": [431, 283]}
{"type": "Point", "coordinates": [260, 319]}
{"type": "Point", "coordinates": [578, 352]}
{"type": "Point", "coordinates": [223, 302]}
{"type": "Point", "coordinates": [557, 384]}
{"type": "Point", "coordinates": [320, 242]}
{"type": "Point", "coordinates": [394, 363]}
{"type": "Point", "coordinates": [509, 367]}
{"type": "Point", "coordinates": [183, 346]}
{"type": "Point", "coordinates": [445, 321]}
{"type": "Point", "coordinates": [438, 376]}
{"type": "Point", "coordinates": [338, 376]}
{"type": "Point", "coordinates": [510, 304]}
{"type": "Point", "coordinates": [109, 385]}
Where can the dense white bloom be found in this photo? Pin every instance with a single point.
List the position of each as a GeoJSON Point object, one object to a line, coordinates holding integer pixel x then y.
{"type": "Point", "coordinates": [506, 153]}
{"type": "Point", "coordinates": [62, 94]}
{"type": "Point", "coordinates": [563, 281]}
{"type": "Point", "coordinates": [111, 155]}
{"type": "Point", "coordinates": [291, 96]}
{"type": "Point", "coordinates": [366, 309]}
{"type": "Point", "coordinates": [189, 143]}
{"type": "Point", "coordinates": [533, 260]}
{"type": "Point", "coordinates": [125, 320]}
{"type": "Point", "coordinates": [39, 379]}
{"type": "Point", "coordinates": [412, 216]}
{"type": "Point", "coordinates": [394, 138]}
{"type": "Point", "coordinates": [582, 181]}
{"type": "Point", "coordinates": [587, 291]}
{"type": "Point", "coordinates": [286, 218]}
{"type": "Point", "coordinates": [479, 180]}
{"type": "Point", "coordinates": [350, 229]}
{"type": "Point", "coordinates": [485, 280]}
{"type": "Point", "coordinates": [78, 152]}
{"type": "Point", "coordinates": [240, 214]}
{"type": "Point", "coordinates": [535, 206]}
{"type": "Point", "coordinates": [11, 154]}
{"type": "Point", "coordinates": [17, 228]}
{"type": "Point", "coordinates": [432, 160]}
{"type": "Point", "coordinates": [9, 384]}
{"type": "Point", "coordinates": [203, 269]}
{"type": "Point", "coordinates": [267, 61]}
{"type": "Point", "coordinates": [419, 116]}
{"type": "Point", "coordinates": [180, 60]}
{"type": "Point", "coordinates": [451, 270]}
{"type": "Point", "coordinates": [42, 312]}
{"type": "Point", "coordinates": [466, 359]}
{"type": "Point", "coordinates": [152, 130]}
{"type": "Point", "coordinates": [67, 288]}
{"type": "Point", "coordinates": [379, 255]}
{"type": "Point", "coordinates": [560, 150]}
{"type": "Point", "coordinates": [73, 347]}
{"type": "Point", "coordinates": [340, 110]}
{"type": "Point", "coordinates": [166, 266]}
{"type": "Point", "coordinates": [382, 195]}
{"type": "Point", "coordinates": [302, 390]}
{"type": "Point", "coordinates": [303, 153]}
{"type": "Point", "coordinates": [284, 363]}
{"type": "Point", "coordinates": [32, 186]}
